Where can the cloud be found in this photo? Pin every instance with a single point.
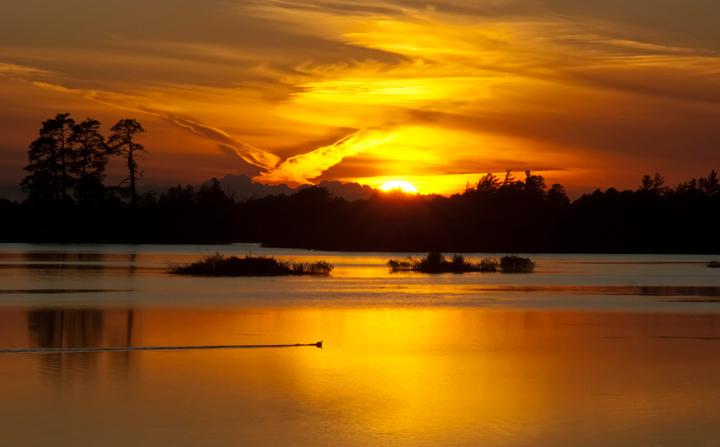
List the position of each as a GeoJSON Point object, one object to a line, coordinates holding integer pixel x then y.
{"type": "Point", "coordinates": [410, 8]}
{"type": "Point", "coordinates": [295, 170]}
{"type": "Point", "coordinates": [250, 154]}
{"type": "Point", "coordinates": [247, 152]}
{"type": "Point", "coordinates": [490, 82]}
{"type": "Point", "coordinates": [14, 70]}
{"type": "Point", "coordinates": [302, 168]}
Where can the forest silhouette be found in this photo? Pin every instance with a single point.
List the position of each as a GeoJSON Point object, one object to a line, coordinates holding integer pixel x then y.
{"type": "Point", "coordinates": [69, 202]}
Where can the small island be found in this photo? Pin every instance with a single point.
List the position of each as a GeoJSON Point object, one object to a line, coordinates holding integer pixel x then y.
{"type": "Point", "coordinates": [219, 265]}
{"type": "Point", "coordinates": [437, 263]}
{"type": "Point", "coordinates": [714, 264]}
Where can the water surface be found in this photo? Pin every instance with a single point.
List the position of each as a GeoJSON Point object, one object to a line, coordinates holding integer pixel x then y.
{"type": "Point", "coordinates": [590, 350]}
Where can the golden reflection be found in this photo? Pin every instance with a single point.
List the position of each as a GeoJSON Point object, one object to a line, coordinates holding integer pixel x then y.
{"type": "Point", "coordinates": [412, 376]}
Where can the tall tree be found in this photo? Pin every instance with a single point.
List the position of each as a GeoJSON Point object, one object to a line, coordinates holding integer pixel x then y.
{"type": "Point", "coordinates": [50, 160]}
{"type": "Point", "coordinates": [123, 142]}
{"type": "Point", "coordinates": [91, 156]}
{"type": "Point", "coordinates": [534, 184]}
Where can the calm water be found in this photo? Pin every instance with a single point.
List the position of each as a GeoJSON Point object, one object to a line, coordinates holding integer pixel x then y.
{"type": "Point", "coordinates": [590, 350]}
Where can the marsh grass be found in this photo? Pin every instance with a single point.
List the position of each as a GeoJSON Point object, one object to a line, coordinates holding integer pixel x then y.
{"type": "Point", "coordinates": [437, 263]}
{"type": "Point", "coordinates": [220, 265]}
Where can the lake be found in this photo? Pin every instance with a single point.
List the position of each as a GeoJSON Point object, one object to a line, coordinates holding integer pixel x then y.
{"type": "Point", "coordinates": [592, 350]}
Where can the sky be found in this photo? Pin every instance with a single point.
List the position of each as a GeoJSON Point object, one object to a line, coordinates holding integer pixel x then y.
{"type": "Point", "coordinates": [591, 93]}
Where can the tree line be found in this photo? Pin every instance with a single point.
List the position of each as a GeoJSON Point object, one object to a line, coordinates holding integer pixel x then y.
{"type": "Point", "coordinates": [67, 161]}
{"type": "Point", "coordinates": [497, 215]}
{"type": "Point", "coordinates": [67, 202]}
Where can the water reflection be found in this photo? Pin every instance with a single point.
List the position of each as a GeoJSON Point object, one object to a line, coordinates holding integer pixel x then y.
{"type": "Point", "coordinates": [661, 291]}
{"type": "Point", "coordinates": [579, 354]}
{"type": "Point", "coordinates": [79, 328]}
{"type": "Point", "coordinates": [69, 260]}
{"type": "Point", "coordinates": [65, 328]}
{"type": "Point", "coordinates": [406, 377]}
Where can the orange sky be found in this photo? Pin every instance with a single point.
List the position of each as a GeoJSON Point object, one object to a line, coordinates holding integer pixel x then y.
{"type": "Point", "coordinates": [592, 93]}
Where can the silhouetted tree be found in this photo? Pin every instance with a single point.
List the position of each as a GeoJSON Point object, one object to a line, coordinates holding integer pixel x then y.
{"type": "Point", "coordinates": [488, 183]}
{"type": "Point", "coordinates": [557, 197]}
{"type": "Point", "coordinates": [50, 161]}
{"type": "Point", "coordinates": [534, 184]}
{"type": "Point", "coordinates": [509, 179]}
{"type": "Point", "coordinates": [654, 184]}
{"type": "Point", "coordinates": [493, 215]}
{"type": "Point", "coordinates": [91, 156]}
{"type": "Point", "coordinates": [688, 188]}
{"type": "Point", "coordinates": [213, 196]}
{"type": "Point", "coordinates": [123, 142]}
{"type": "Point", "coordinates": [710, 184]}
{"type": "Point", "coordinates": [179, 196]}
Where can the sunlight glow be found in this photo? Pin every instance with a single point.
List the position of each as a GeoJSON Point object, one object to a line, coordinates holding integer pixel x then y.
{"type": "Point", "coordinates": [399, 185]}
{"type": "Point", "coordinates": [370, 91]}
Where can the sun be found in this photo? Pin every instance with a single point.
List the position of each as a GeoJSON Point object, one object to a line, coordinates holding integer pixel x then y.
{"type": "Point", "coordinates": [399, 185]}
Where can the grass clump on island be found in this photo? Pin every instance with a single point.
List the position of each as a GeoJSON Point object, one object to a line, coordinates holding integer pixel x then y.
{"type": "Point", "coordinates": [437, 263]}
{"type": "Point", "coordinates": [219, 265]}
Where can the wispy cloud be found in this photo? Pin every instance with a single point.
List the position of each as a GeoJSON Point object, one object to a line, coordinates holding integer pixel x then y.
{"type": "Point", "coordinates": [21, 70]}
{"type": "Point", "coordinates": [301, 169]}
{"type": "Point", "coordinates": [495, 82]}
{"type": "Point", "coordinates": [247, 152]}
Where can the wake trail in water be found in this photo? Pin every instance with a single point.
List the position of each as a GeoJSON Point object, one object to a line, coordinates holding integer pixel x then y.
{"type": "Point", "coordinates": [149, 348]}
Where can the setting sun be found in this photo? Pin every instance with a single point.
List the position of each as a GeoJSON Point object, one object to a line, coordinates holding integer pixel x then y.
{"type": "Point", "coordinates": [399, 185]}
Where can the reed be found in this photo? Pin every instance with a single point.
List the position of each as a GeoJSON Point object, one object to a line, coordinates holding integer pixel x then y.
{"type": "Point", "coordinates": [437, 263]}
{"type": "Point", "coordinates": [219, 265]}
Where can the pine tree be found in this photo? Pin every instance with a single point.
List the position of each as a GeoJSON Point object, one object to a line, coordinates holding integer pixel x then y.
{"type": "Point", "coordinates": [122, 141]}
{"type": "Point", "coordinates": [91, 156]}
{"type": "Point", "coordinates": [710, 185]}
{"type": "Point", "coordinates": [488, 183]}
{"type": "Point", "coordinates": [654, 184]}
{"type": "Point", "coordinates": [50, 160]}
